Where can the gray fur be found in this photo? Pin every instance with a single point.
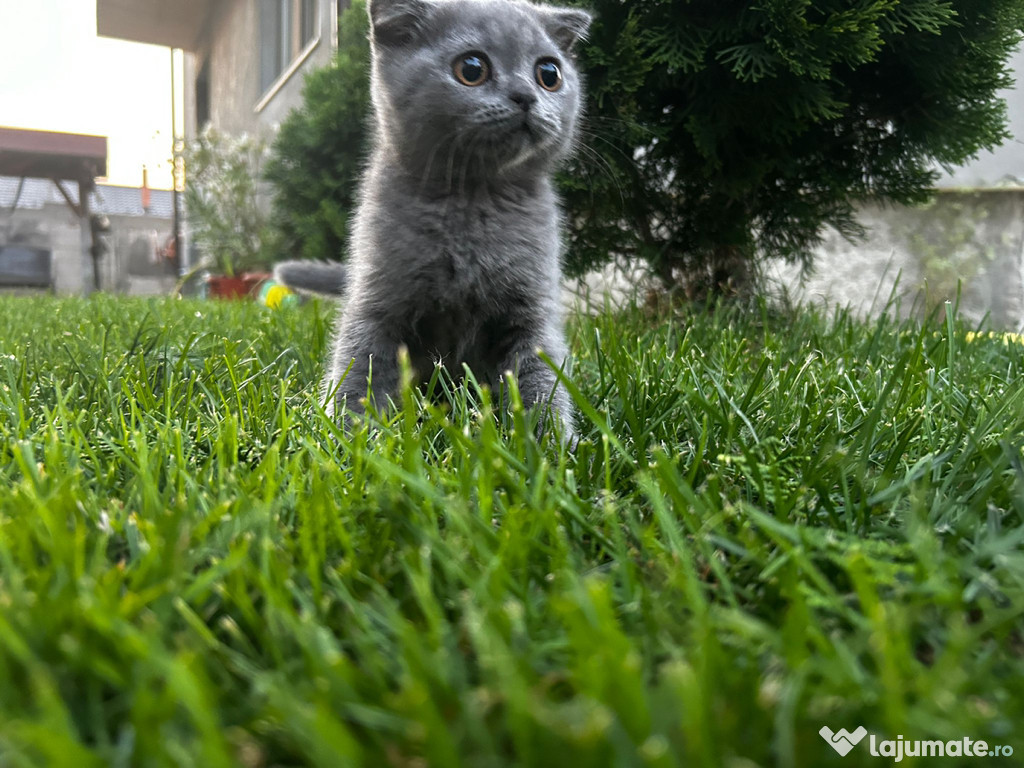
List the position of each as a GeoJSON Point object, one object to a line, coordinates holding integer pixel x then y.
{"type": "Point", "coordinates": [312, 276]}
{"type": "Point", "coordinates": [455, 252]}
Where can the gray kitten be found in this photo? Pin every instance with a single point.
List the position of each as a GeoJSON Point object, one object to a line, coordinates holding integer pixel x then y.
{"type": "Point", "coordinates": [455, 252]}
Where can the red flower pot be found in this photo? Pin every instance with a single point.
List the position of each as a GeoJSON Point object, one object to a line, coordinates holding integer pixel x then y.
{"type": "Point", "coordinates": [241, 287]}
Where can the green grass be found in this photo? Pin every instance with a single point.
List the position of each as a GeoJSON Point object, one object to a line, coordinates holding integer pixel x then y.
{"type": "Point", "coordinates": [774, 522]}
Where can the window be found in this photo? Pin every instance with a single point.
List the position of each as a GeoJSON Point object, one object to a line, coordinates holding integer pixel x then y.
{"type": "Point", "coordinates": [286, 28]}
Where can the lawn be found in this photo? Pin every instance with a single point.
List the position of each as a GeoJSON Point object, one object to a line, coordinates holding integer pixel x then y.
{"type": "Point", "coordinates": [775, 522]}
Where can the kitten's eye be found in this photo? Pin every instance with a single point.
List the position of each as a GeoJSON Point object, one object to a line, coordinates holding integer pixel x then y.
{"type": "Point", "coordinates": [471, 69]}
{"type": "Point", "coordinates": [549, 75]}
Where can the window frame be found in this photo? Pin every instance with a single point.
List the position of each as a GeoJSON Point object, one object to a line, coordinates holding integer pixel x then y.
{"type": "Point", "coordinates": [288, 30]}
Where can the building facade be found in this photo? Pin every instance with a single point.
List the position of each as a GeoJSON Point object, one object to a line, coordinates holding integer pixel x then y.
{"type": "Point", "coordinates": [244, 59]}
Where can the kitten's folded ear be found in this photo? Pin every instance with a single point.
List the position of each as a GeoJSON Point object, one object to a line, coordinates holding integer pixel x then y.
{"type": "Point", "coordinates": [396, 22]}
{"type": "Point", "coordinates": [567, 26]}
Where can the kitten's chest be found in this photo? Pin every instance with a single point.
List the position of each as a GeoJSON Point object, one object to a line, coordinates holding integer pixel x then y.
{"type": "Point", "coordinates": [487, 245]}
{"type": "Point", "coordinates": [482, 268]}
{"type": "Point", "coordinates": [469, 249]}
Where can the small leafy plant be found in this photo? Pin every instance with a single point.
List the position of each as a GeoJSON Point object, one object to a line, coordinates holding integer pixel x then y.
{"type": "Point", "coordinates": [228, 217]}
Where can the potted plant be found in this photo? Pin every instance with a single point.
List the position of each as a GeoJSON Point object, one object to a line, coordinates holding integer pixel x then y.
{"type": "Point", "coordinates": [229, 223]}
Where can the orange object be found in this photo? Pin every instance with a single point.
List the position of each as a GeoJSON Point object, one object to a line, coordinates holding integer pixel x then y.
{"type": "Point", "coordinates": [145, 188]}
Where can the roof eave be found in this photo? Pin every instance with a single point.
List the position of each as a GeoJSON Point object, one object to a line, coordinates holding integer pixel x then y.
{"type": "Point", "coordinates": [176, 24]}
{"type": "Point", "coordinates": [45, 154]}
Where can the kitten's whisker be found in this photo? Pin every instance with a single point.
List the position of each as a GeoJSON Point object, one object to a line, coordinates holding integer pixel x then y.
{"type": "Point", "coordinates": [594, 135]}
{"type": "Point", "coordinates": [430, 164]}
{"type": "Point", "coordinates": [590, 119]}
{"type": "Point", "coordinates": [469, 155]}
{"type": "Point", "coordinates": [433, 154]}
{"type": "Point", "coordinates": [600, 160]}
{"type": "Point", "coordinates": [452, 154]}
{"type": "Point", "coordinates": [461, 151]}
{"type": "Point", "coordinates": [604, 166]}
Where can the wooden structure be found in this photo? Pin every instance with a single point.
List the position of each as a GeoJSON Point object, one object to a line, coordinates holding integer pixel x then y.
{"type": "Point", "coordinates": [61, 157]}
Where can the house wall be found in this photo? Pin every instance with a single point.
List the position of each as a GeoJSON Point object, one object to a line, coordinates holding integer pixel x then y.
{"type": "Point", "coordinates": [231, 46]}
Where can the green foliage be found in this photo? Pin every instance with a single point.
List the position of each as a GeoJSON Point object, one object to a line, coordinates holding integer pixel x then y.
{"type": "Point", "coordinates": [228, 222]}
{"type": "Point", "coordinates": [773, 523]}
{"type": "Point", "coordinates": [321, 147]}
{"type": "Point", "coordinates": [724, 132]}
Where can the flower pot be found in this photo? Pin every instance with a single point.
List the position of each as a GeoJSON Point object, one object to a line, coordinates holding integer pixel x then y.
{"type": "Point", "coordinates": [239, 287]}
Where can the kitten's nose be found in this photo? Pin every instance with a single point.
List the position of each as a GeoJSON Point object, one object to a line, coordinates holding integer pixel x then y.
{"type": "Point", "coordinates": [524, 99]}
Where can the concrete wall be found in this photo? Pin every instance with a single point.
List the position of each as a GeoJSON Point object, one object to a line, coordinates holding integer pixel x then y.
{"type": "Point", "coordinates": [910, 263]}
{"type": "Point", "coordinates": [919, 255]}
